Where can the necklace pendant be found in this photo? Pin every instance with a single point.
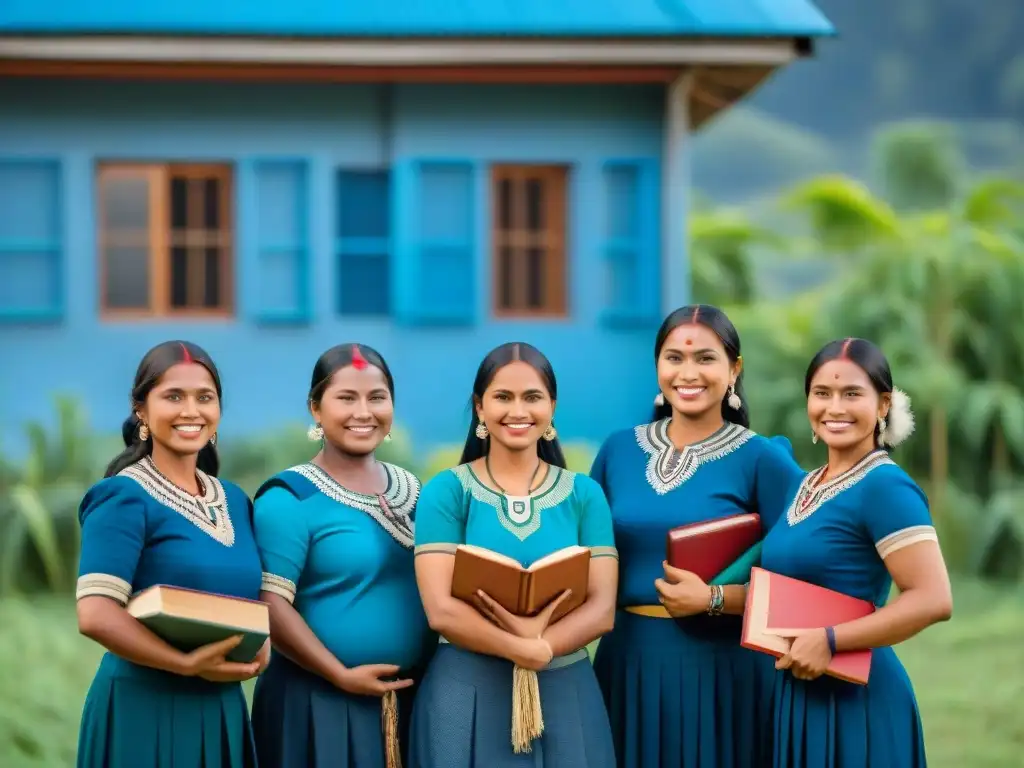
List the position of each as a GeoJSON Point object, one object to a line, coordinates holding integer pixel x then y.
{"type": "Point", "coordinates": [519, 508]}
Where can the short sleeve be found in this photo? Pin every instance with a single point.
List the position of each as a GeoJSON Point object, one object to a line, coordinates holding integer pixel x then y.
{"type": "Point", "coordinates": [596, 531]}
{"type": "Point", "coordinates": [896, 512]}
{"type": "Point", "coordinates": [776, 480]}
{"type": "Point", "coordinates": [113, 519]}
{"type": "Point", "coordinates": [441, 515]}
{"type": "Point", "coordinates": [282, 537]}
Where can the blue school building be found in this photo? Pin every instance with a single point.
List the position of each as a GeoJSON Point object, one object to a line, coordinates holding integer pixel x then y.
{"type": "Point", "coordinates": [431, 178]}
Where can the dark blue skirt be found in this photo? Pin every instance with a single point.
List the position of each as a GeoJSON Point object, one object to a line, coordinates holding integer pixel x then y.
{"type": "Point", "coordinates": [302, 721]}
{"type": "Point", "coordinates": [828, 723]}
{"type": "Point", "coordinates": [462, 717]}
{"type": "Point", "coordinates": [685, 694]}
{"type": "Point", "coordinates": [139, 717]}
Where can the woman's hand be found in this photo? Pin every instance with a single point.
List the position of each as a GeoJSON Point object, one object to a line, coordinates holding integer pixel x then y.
{"type": "Point", "coordinates": [367, 680]}
{"type": "Point", "coordinates": [209, 662]}
{"type": "Point", "coordinates": [521, 626]}
{"type": "Point", "coordinates": [808, 656]}
{"type": "Point", "coordinates": [683, 593]}
{"type": "Point", "coordinates": [536, 654]}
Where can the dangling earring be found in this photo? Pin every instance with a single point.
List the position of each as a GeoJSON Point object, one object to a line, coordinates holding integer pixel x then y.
{"type": "Point", "coordinates": [315, 433]}
{"type": "Point", "coordinates": [881, 430]}
{"type": "Point", "coordinates": [213, 440]}
{"type": "Point", "coordinates": [143, 432]}
{"type": "Point", "coordinates": [550, 433]}
{"type": "Point", "coordinates": [387, 438]}
{"type": "Point", "coordinates": [814, 437]}
{"type": "Point", "coordinates": [481, 431]}
{"type": "Point", "coordinates": [659, 399]}
{"type": "Point", "coordinates": [734, 400]}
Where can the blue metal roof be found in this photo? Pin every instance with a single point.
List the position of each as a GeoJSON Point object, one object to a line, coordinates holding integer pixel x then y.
{"type": "Point", "coordinates": [413, 18]}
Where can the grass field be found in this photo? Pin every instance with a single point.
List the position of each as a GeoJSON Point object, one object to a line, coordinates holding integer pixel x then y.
{"type": "Point", "coordinates": [967, 672]}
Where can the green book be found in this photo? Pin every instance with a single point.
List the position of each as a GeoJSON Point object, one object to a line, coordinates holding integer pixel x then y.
{"type": "Point", "coordinates": [188, 619]}
{"type": "Point", "coordinates": [739, 571]}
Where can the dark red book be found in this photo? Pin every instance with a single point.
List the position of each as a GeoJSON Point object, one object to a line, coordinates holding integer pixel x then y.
{"type": "Point", "coordinates": [709, 547]}
{"type": "Point", "coordinates": [779, 606]}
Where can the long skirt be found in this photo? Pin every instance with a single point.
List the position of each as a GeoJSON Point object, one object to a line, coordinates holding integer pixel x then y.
{"type": "Point", "coordinates": [302, 721]}
{"type": "Point", "coordinates": [829, 723]}
{"type": "Point", "coordinates": [462, 717]}
{"type": "Point", "coordinates": [138, 717]}
{"type": "Point", "coordinates": [685, 694]}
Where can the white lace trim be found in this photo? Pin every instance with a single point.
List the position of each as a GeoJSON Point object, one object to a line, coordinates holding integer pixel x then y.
{"type": "Point", "coordinates": [209, 512]}
{"type": "Point", "coordinates": [391, 510]}
{"type": "Point", "coordinates": [520, 515]}
{"type": "Point", "coordinates": [810, 497]}
{"type": "Point", "coordinates": [668, 467]}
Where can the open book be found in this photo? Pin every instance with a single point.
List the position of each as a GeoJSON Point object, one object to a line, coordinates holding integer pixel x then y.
{"type": "Point", "coordinates": [187, 619]}
{"type": "Point", "coordinates": [523, 591]}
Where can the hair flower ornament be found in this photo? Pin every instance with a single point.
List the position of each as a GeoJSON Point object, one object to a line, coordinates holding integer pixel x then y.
{"type": "Point", "coordinates": [899, 424]}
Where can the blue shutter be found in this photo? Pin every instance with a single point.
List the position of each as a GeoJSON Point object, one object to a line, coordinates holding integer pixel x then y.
{"type": "Point", "coordinates": [363, 247]}
{"type": "Point", "coordinates": [630, 249]}
{"type": "Point", "coordinates": [31, 241]}
{"type": "Point", "coordinates": [434, 220]}
{"type": "Point", "coordinates": [276, 220]}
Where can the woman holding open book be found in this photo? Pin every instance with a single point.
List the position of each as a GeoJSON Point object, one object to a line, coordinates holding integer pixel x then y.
{"type": "Point", "coordinates": [856, 526]}
{"type": "Point", "coordinates": [683, 693]}
{"type": "Point", "coordinates": [161, 516]}
{"type": "Point", "coordinates": [336, 537]}
{"type": "Point", "coordinates": [511, 683]}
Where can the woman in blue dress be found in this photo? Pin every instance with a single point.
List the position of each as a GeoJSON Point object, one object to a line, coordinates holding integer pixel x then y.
{"type": "Point", "coordinates": [161, 516]}
{"type": "Point", "coordinates": [856, 525]}
{"type": "Point", "coordinates": [512, 494]}
{"type": "Point", "coordinates": [683, 693]}
{"type": "Point", "coordinates": [336, 539]}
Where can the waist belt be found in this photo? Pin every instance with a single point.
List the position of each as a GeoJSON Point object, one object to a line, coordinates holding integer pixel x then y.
{"type": "Point", "coordinates": [650, 611]}
{"type": "Point", "coordinates": [555, 663]}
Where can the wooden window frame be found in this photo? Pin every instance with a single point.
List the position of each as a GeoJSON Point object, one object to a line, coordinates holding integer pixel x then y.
{"type": "Point", "coordinates": [553, 239]}
{"type": "Point", "coordinates": [159, 240]}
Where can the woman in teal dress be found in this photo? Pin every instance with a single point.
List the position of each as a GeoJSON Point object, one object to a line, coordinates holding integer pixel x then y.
{"type": "Point", "coordinates": [161, 516]}
{"type": "Point", "coordinates": [512, 494]}
{"type": "Point", "coordinates": [336, 536]}
{"type": "Point", "coordinates": [683, 693]}
{"type": "Point", "coordinates": [856, 525]}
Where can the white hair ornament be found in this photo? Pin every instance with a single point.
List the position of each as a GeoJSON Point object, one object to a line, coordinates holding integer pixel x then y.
{"type": "Point", "coordinates": [899, 423]}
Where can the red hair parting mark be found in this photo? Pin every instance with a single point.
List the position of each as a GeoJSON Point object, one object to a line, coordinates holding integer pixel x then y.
{"type": "Point", "coordinates": [186, 358]}
{"type": "Point", "coordinates": [844, 353]}
{"type": "Point", "coordinates": [358, 361]}
{"type": "Point", "coordinates": [696, 312]}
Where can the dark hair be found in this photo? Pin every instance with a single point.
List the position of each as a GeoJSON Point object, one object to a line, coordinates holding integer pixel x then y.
{"type": "Point", "coordinates": [718, 322]}
{"type": "Point", "coordinates": [862, 353]}
{"type": "Point", "coordinates": [152, 367]}
{"type": "Point", "coordinates": [514, 351]}
{"type": "Point", "coordinates": [336, 358]}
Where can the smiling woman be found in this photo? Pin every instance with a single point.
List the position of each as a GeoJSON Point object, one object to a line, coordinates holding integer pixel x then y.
{"type": "Point", "coordinates": [161, 516]}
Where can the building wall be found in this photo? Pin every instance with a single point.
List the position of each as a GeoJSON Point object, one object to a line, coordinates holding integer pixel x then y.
{"type": "Point", "coordinates": [601, 352]}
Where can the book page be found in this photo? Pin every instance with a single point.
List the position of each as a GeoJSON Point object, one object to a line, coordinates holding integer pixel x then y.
{"type": "Point", "coordinates": [557, 556]}
{"type": "Point", "coordinates": [489, 554]}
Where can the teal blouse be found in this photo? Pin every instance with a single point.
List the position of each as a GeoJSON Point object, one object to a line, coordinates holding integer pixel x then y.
{"type": "Point", "coordinates": [345, 561]}
{"type": "Point", "coordinates": [567, 509]}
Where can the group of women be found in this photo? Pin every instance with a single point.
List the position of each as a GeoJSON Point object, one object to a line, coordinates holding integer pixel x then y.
{"type": "Point", "coordinates": [376, 665]}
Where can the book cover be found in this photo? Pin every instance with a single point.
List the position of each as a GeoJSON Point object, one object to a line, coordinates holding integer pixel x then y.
{"type": "Point", "coordinates": [522, 591]}
{"type": "Point", "coordinates": [779, 605]}
{"type": "Point", "coordinates": [738, 572]}
{"type": "Point", "coordinates": [709, 547]}
{"type": "Point", "coordinates": [188, 619]}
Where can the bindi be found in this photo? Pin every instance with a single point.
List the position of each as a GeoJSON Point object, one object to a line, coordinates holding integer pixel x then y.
{"type": "Point", "coordinates": [835, 376]}
{"type": "Point", "coordinates": [688, 342]}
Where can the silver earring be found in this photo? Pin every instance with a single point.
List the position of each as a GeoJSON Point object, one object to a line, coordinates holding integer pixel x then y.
{"type": "Point", "coordinates": [481, 431]}
{"type": "Point", "coordinates": [814, 437]}
{"type": "Point", "coordinates": [315, 433]}
{"type": "Point", "coordinates": [734, 400]}
{"type": "Point", "coordinates": [387, 438]}
{"type": "Point", "coordinates": [213, 440]}
{"type": "Point", "coordinates": [659, 399]}
{"type": "Point", "coordinates": [881, 429]}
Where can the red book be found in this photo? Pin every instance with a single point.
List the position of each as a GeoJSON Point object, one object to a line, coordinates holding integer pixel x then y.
{"type": "Point", "coordinates": [779, 606]}
{"type": "Point", "coordinates": [709, 547]}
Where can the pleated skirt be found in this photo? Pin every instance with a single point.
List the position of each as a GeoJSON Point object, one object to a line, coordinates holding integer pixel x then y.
{"type": "Point", "coordinates": [685, 694]}
{"type": "Point", "coordinates": [302, 721]}
{"type": "Point", "coordinates": [138, 717]}
{"type": "Point", "coordinates": [828, 723]}
{"type": "Point", "coordinates": [462, 716]}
